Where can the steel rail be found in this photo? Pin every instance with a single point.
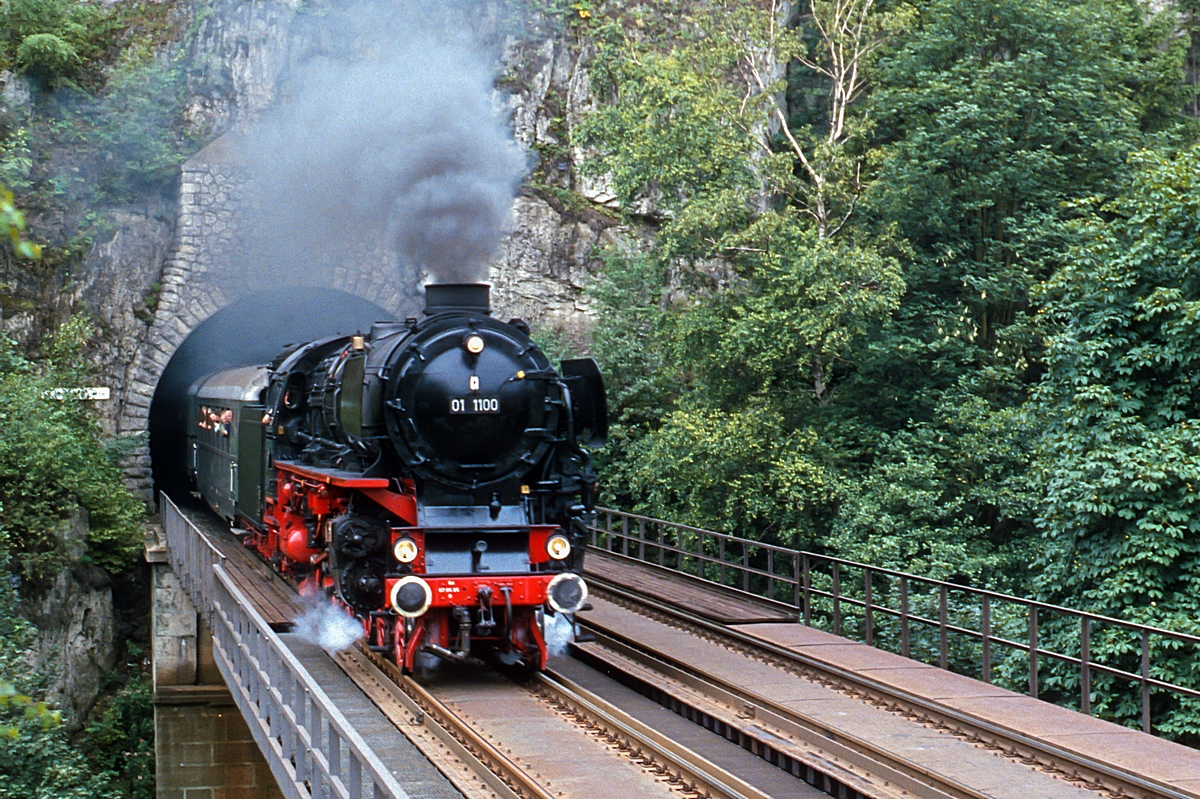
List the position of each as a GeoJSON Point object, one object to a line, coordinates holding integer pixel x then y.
{"type": "Point", "coordinates": [371, 674]}
{"type": "Point", "coordinates": [509, 779]}
{"type": "Point", "coordinates": [702, 776]}
{"type": "Point", "coordinates": [1013, 742]}
{"type": "Point", "coordinates": [865, 761]}
{"type": "Point", "coordinates": [488, 762]}
{"type": "Point", "coordinates": [711, 555]}
{"type": "Point", "coordinates": [500, 772]}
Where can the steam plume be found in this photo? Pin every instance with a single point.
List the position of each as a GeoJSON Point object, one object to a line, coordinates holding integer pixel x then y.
{"type": "Point", "coordinates": [560, 631]}
{"type": "Point", "coordinates": [390, 132]}
{"type": "Point", "coordinates": [328, 627]}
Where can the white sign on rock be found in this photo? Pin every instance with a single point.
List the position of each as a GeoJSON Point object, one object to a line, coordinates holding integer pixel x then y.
{"type": "Point", "coordinates": [92, 393]}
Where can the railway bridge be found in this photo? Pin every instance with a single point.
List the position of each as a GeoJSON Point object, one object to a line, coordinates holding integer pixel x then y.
{"type": "Point", "coordinates": [707, 665]}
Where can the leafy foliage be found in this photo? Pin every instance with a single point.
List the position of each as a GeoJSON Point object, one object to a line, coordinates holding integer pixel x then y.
{"type": "Point", "coordinates": [120, 742]}
{"type": "Point", "coordinates": [50, 39]}
{"type": "Point", "coordinates": [1120, 453]}
{"type": "Point", "coordinates": [54, 466]}
{"type": "Point", "coordinates": [136, 123]}
{"type": "Point", "coordinates": [49, 55]}
{"type": "Point", "coordinates": [835, 331]}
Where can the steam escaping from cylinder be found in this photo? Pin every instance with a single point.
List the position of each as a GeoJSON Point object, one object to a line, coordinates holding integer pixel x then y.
{"type": "Point", "coordinates": [560, 632]}
{"type": "Point", "coordinates": [329, 627]}
{"type": "Point", "coordinates": [389, 133]}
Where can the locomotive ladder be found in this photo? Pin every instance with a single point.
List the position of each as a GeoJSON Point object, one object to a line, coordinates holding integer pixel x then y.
{"type": "Point", "coordinates": [312, 748]}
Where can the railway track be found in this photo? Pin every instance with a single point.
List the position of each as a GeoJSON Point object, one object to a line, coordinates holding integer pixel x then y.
{"type": "Point", "coordinates": [824, 755]}
{"type": "Point", "coordinates": [485, 767]}
{"type": "Point", "coordinates": [481, 764]}
{"type": "Point", "coordinates": [816, 751]}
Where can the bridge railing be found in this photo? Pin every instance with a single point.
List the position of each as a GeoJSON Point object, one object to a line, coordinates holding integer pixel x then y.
{"type": "Point", "coordinates": [984, 634]}
{"type": "Point", "coordinates": [312, 749]}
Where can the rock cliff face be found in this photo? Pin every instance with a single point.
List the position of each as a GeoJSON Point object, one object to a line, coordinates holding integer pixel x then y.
{"type": "Point", "coordinates": [75, 622]}
{"type": "Point", "coordinates": [76, 631]}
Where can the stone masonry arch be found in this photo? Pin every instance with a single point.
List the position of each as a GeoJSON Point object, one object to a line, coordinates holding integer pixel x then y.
{"type": "Point", "coordinates": [201, 276]}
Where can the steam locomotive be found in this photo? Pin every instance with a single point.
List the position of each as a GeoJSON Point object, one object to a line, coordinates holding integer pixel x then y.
{"type": "Point", "coordinates": [430, 476]}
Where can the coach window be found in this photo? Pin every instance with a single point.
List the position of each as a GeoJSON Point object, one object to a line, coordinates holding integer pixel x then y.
{"type": "Point", "coordinates": [215, 424]}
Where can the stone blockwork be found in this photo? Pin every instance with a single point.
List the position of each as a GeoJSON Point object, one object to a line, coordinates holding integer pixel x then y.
{"type": "Point", "coordinates": [241, 54]}
{"type": "Point", "coordinates": [158, 269]}
{"type": "Point", "coordinates": [205, 751]}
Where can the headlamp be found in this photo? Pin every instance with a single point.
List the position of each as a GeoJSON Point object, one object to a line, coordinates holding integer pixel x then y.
{"type": "Point", "coordinates": [405, 550]}
{"type": "Point", "coordinates": [558, 547]}
{"type": "Point", "coordinates": [566, 593]}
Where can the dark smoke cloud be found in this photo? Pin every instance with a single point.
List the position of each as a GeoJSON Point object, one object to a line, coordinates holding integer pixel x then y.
{"type": "Point", "coordinates": [390, 134]}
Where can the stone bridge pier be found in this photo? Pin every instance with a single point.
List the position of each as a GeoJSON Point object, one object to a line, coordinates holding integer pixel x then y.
{"type": "Point", "coordinates": [203, 748]}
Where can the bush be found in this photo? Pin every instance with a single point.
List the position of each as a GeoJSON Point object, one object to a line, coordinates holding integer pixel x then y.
{"type": "Point", "coordinates": [120, 742]}
{"type": "Point", "coordinates": [47, 58]}
{"type": "Point", "coordinates": [55, 467]}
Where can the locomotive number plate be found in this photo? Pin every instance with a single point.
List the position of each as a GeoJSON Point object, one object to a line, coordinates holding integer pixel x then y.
{"type": "Point", "coordinates": [475, 405]}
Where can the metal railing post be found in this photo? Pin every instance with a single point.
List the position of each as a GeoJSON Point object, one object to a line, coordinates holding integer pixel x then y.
{"type": "Point", "coordinates": [867, 620]}
{"type": "Point", "coordinates": [1033, 651]}
{"type": "Point", "coordinates": [943, 643]}
{"type": "Point", "coordinates": [1145, 681]}
{"type": "Point", "coordinates": [837, 601]}
{"type": "Point", "coordinates": [795, 579]}
{"type": "Point", "coordinates": [985, 613]}
{"type": "Point", "coordinates": [806, 578]}
{"type": "Point", "coordinates": [721, 557]}
{"type": "Point", "coordinates": [194, 564]}
{"type": "Point", "coordinates": [295, 724]}
{"type": "Point", "coordinates": [679, 550]}
{"type": "Point", "coordinates": [1085, 672]}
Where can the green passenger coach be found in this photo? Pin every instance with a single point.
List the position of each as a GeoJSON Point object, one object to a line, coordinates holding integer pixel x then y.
{"type": "Point", "coordinates": [225, 441]}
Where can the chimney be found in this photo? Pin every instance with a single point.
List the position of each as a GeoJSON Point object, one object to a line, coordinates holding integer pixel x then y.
{"type": "Point", "coordinates": [459, 298]}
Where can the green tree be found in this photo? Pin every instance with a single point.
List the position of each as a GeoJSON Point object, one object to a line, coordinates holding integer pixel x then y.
{"type": "Point", "coordinates": [119, 741]}
{"type": "Point", "coordinates": [137, 122]}
{"type": "Point", "coordinates": [995, 116]}
{"type": "Point", "coordinates": [1119, 461]}
{"type": "Point", "coordinates": [763, 292]}
{"type": "Point", "coordinates": [51, 39]}
{"type": "Point", "coordinates": [993, 119]}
